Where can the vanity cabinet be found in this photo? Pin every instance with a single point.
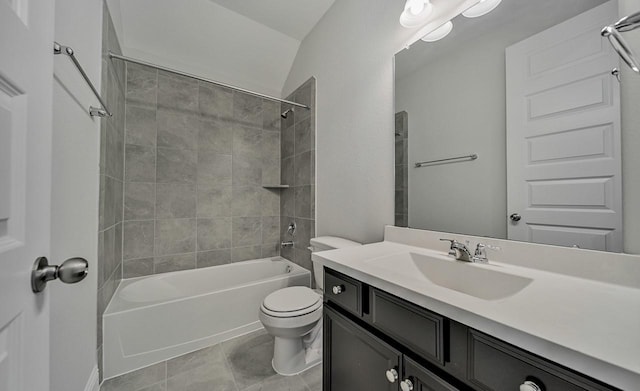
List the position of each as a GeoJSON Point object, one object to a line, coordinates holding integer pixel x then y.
{"type": "Point", "coordinates": [355, 359]}
{"type": "Point", "coordinates": [374, 340]}
{"type": "Point", "coordinates": [358, 360]}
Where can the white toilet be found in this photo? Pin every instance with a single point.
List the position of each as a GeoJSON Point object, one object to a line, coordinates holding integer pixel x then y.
{"type": "Point", "coordinates": [293, 316]}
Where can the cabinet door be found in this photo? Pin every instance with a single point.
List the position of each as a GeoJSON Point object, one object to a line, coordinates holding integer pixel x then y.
{"type": "Point", "coordinates": [418, 378]}
{"type": "Point", "coordinates": [354, 359]}
{"type": "Point", "coordinates": [495, 365]}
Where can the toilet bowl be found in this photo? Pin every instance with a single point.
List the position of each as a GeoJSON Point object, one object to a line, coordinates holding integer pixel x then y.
{"type": "Point", "coordinates": [293, 316]}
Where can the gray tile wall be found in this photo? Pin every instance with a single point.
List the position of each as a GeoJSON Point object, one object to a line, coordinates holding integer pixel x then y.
{"type": "Point", "coordinates": [402, 169]}
{"type": "Point", "coordinates": [297, 203]}
{"type": "Point", "coordinates": [111, 175]}
{"type": "Point", "coordinates": [196, 158]}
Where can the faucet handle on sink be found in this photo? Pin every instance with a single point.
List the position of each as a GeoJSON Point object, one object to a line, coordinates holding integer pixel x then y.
{"type": "Point", "coordinates": [452, 251]}
{"type": "Point", "coordinates": [480, 254]}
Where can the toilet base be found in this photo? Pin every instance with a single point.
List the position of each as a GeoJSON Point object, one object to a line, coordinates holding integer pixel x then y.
{"type": "Point", "coordinates": [289, 357]}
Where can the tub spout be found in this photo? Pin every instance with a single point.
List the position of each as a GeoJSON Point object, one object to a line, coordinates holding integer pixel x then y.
{"type": "Point", "coordinates": [288, 243]}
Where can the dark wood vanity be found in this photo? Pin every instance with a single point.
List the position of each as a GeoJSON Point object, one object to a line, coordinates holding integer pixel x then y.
{"type": "Point", "coordinates": [376, 341]}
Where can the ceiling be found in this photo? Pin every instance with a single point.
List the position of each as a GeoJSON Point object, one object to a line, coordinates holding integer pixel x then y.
{"type": "Point", "coordinates": [249, 43]}
{"type": "Point", "coordinates": [294, 18]}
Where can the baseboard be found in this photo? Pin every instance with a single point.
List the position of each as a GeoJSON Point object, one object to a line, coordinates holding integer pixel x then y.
{"type": "Point", "coordinates": [93, 384]}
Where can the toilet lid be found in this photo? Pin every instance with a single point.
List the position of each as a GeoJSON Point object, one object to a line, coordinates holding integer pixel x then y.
{"type": "Point", "coordinates": [291, 299]}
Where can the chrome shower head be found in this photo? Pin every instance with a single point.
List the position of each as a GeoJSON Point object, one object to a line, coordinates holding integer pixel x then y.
{"type": "Point", "coordinates": [286, 112]}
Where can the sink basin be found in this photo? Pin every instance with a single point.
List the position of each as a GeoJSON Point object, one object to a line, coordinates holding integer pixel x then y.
{"type": "Point", "coordinates": [479, 280]}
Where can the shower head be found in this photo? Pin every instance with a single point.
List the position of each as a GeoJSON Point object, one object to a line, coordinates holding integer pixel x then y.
{"type": "Point", "coordinates": [286, 112]}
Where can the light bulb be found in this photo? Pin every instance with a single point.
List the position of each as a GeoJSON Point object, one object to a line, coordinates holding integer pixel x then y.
{"type": "Point", "coordinates": [415, 6]}
{"type": "Point", "coordinates": [439, 33]}
{"type": "Point", "coordinates": [416, 13]}
{"type": "Point", "coordinates": [482, 8]}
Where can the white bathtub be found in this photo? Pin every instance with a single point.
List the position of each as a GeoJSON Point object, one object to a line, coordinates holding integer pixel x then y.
{"type": "Point", "coordinates": [154, 318]}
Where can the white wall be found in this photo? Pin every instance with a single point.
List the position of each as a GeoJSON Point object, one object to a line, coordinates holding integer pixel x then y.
{"type": "Point", "coordinates": [205, 39]}
{"type": "Point", "coordinates": [350, 52]}
{"type": "Point", "coordinates": [74, 217]}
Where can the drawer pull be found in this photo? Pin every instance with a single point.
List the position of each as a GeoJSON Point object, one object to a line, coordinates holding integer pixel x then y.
{"type": "Point", "coordinates": [406, 385]}
{"type": "Point", "coordinates": [528, 385]}
{"type": "Point", "coordinates": [337, 289]}
{"type": "Point", "coordinates": [392, 375]}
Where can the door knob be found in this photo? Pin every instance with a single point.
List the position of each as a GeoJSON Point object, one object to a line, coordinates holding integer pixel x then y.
{"type": "Point", "coordinates": [337, 289]}
{"type": "Point", "coordinates": [71, 271]}
{"type": "Point", "coordinates": [392, 375]}
{"type": "Point", "coordinates": [515, 217]}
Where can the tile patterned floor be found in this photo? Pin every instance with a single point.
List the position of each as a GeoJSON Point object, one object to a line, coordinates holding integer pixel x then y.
{"type": "Point", "coordinates": [240, 364]}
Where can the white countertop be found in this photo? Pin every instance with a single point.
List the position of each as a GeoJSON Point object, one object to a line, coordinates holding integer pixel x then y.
{"type": "Point", "coordinates": [590, 326]}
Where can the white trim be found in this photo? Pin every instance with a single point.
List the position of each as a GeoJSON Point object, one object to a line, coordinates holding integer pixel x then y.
{"type": "Point", "coordinates": [93, 384]}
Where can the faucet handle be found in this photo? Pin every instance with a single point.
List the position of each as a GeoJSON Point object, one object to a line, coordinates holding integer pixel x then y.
{"type": "Point", "coordinates": [480, 254]}
{"type": "Point", "coordinates": [452, 251]}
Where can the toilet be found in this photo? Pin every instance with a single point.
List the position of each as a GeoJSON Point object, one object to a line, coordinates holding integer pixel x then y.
{"type": "Point", "coordinates": [293, 316]}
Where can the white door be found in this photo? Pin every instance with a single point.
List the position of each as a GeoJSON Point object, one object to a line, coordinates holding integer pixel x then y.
{"type": "Point", "coordinates": [563, 136]}
{"type": "Point", "coordinates": [26, 80]}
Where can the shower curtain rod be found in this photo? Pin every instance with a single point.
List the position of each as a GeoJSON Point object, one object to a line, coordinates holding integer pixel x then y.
{"type": "Point", "coordinates": [160, 67]}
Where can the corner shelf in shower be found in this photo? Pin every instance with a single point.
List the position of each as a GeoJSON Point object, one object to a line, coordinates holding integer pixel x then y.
{"type": "Point", "coordinates": [275, 186]}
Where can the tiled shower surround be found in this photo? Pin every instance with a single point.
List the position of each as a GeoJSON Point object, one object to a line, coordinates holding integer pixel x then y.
{"type": "Point", "coordinates": [196, 158]}
{"type": "Point", "coordinates": [111, 176]}
{"type": "Point", "coordinates": [402, 169]}
{"type": "Point", "coordinates": [298, 147]}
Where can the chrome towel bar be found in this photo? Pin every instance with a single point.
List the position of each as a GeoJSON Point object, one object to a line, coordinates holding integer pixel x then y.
{"type": "Point", "coordinates": [102, 111]}
{"type": "Point", "coordinates": [612, 32]}
{"type": "Point", "coordinates": [447, 160]}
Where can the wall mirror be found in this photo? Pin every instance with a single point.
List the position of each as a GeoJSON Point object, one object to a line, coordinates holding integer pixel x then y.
{"type": "Point", "coordinates": [515, 126]}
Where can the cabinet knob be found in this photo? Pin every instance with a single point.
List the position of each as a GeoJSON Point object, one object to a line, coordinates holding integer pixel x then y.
{"type": "Point", "coordinates": [337, 289]}
{"type": "Point", "coordinates": [406, 385]}
{"type": "Point", "coordinates": [528, 385]}
{"type": "Point", "coordinates": [392, 375]}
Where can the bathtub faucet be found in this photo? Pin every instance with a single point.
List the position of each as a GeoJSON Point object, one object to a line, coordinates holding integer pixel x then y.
{"type": "Point", "coordinates": [288, 243]}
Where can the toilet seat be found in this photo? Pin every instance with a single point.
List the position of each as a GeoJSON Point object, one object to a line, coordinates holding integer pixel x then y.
{"type": "Point", "coordinates": [291, 302]}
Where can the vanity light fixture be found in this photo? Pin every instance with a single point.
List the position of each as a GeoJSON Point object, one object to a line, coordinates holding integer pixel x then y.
{"type": "Point", "coordinates": [483, 7]}
{"type": "Point", "coordinates": [416, 13]}
{"type": "Point", "coordinates": [439, 33]}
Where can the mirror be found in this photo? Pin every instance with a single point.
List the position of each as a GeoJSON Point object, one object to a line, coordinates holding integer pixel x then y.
{"type": "Point", "coordinates": [520, 129]}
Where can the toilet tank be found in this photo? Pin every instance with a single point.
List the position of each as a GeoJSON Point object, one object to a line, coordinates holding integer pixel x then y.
{"type": "Point", "coordinates": [323, 243]}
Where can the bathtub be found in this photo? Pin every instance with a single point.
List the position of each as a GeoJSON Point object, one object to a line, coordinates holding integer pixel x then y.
{"type": "Point", "coordinates": [154, 318]}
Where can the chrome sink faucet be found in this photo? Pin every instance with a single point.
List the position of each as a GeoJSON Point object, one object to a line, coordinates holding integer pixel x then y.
{"type": "Point", "coordinates": [459, 251]}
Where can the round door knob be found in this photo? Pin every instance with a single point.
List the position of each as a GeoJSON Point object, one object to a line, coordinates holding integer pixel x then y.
{"type": "Point", "coordinates": [392, 375]}
{"type": "Point", "coordinates": [530, 386]}
{"type": "Point", "coordinates": [515, 217]}
{"type": "Point", "coordinates": [406, 385]}
{"type": "Point", "coordinates": [337, 289]}
{"type": "Point", "coordinates": [71, 271]}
